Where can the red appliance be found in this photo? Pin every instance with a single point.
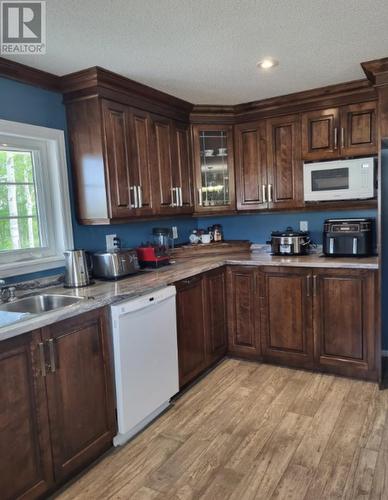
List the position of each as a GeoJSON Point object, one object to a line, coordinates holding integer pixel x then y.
{"type": "Point", "coordinates": [152, 256]}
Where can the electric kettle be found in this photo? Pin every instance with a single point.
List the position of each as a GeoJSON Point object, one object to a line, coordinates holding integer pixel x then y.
{"type": "Point", "coordinates": [76, 269]}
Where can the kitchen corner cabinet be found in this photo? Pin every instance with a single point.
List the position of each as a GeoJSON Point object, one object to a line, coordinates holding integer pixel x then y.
{"type": "Point", "coordinates": [127, 162]}
{"type": "Point", "coordinates": [287, 316]}
{"type": "Point", "coordinates": [243, 285]}
{"type": "Point", "coordinates": [213, 168]}
{"type": "Point", "coordinates": [340, 132]}
{"type": "Point", "coordinates": [269, 171]}
{"type": "Point", "coordinates": [201, 323]}
{"type": "Point", "coordinates": [57, 410]}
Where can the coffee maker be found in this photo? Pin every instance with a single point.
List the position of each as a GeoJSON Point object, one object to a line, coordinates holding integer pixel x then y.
{"type": "Point", "coordinates": [156, 253]}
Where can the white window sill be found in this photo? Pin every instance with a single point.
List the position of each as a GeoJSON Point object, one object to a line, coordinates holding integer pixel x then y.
{"type": "Point", "coordinates": [31, 266]}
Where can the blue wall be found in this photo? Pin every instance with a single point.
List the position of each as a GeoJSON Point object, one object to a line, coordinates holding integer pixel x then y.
{"type": "Point", "coordinates": [257, 227]}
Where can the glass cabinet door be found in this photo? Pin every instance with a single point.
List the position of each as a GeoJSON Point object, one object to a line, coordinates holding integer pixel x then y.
{"type": "Point", "coordinates": [215, 180]}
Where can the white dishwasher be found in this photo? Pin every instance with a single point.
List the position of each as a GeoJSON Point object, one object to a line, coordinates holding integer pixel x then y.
{"type": "Point", "coordinates": [145, 359]}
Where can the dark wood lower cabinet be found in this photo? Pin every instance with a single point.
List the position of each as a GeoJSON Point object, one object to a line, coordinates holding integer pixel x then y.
{"type": "Point", "coordinates": [80, 391]}
{"type": "Point", "coordinates": [215, 315]}
{"type": "Point", "coordinates": [25, 455]}
{"type": "Point", "coordinates": [191, 328]}
{"type": "Point", "coordinates": [201, 323]}
{"type": "Point", "coordinates": [286, 316]}
{"type": "Point", "coordinates": [57, 410]}
{"type": "Point", "coordinates": [243, 311]}
{"type": "Point", "coordinates": [344, 322]}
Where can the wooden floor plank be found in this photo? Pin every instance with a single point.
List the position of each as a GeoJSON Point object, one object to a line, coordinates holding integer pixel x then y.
{"type": "Point", "coordinates": [258, 431]}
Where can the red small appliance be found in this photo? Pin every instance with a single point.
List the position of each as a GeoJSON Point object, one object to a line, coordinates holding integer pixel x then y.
{"type": "Point", "coordinates": [151, 255]}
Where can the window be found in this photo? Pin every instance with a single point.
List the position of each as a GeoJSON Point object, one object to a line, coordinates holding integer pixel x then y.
{"type": "Point", "coordinates": [35, 222]}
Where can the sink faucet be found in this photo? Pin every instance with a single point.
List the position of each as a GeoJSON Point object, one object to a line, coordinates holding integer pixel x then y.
{"type": "Point", "coordinates": [7, 293]}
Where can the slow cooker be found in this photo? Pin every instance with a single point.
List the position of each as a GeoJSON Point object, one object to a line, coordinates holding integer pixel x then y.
{"type": "Point", "coordinates": [290, 242]}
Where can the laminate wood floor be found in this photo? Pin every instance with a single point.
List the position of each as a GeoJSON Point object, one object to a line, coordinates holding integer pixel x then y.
{"type": "Point", "coordinates": [254, 431]}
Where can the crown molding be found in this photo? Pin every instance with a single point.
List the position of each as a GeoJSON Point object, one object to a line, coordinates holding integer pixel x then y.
{"type": "Point", "coordinates": [31, 76]}
{"type": "Point", "coordinates": [376, 71]}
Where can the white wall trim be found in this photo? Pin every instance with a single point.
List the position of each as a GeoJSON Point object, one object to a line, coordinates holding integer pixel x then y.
{"type": "Point", "coordinates": [59, 194]}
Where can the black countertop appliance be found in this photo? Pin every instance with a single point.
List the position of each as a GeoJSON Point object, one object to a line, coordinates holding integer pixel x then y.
{"type": "Point", "coordinates": [348, 237]}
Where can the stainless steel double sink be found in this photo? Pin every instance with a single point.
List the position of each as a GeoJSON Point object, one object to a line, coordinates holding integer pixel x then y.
{"type": "Point", "coordinates": [38, 304]}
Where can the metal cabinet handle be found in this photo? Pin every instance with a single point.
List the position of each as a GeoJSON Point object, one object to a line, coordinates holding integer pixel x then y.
{"type": "Point", "coordinates": [180, 197]}
{"type": "Point", "coordinates": [308, 285]}
{"type": "Point", "coordinates": [135, 203]}
{"type": "Point", "coordinates": [263, 188]}
{"type": "Point", "coordinates": [173, 202]}
{"type": "Point", "coordinates": [52, 355]}
{"type": "Point", "coordinates": [140, 196]}
{"type": "Point", "coordinates": [315, 286]}
{"type": "Point", "coordinates": [270, 199]}
{"type": "Point", "coordinates": [42, 359]}
{"type": "Point", "coordinates": [342, 137]}
{"type": "Point", "coordinates": [335, 138]}
{"type": "Point", "coordinates": [200, 199]}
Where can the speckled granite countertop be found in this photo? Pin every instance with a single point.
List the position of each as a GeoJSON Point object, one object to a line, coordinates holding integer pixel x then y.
{"type": "Point", "coordinates": [103, 293]}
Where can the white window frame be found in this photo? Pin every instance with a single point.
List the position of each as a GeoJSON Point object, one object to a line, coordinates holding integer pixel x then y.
{"type": "Point", "coordinates": [54, 205]}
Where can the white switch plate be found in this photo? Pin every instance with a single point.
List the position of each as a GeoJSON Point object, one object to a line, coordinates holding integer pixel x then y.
{"type": "Point", "coordinates": [303, 225]}
{"type": "Point", "coordinates": [174, 231]}
{"type": "Point", "coordinates": [110, 244]}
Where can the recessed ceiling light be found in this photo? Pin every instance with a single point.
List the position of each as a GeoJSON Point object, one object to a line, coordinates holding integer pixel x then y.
{"type": "Point", "coordinates": [267, 63]}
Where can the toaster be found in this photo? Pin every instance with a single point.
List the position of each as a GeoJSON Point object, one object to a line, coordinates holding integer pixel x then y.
{"type": "Point", "coordinates": [115, 264]}
{"type": "Point", "coordinates": [348, 237]}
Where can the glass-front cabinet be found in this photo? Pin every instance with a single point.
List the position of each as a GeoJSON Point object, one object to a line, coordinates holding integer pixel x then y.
{"type": "Point", "coordinates": [214, 174]}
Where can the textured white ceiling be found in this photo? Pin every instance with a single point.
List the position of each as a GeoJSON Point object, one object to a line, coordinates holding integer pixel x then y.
{"type": "Point", "coordinates": [205, 51]}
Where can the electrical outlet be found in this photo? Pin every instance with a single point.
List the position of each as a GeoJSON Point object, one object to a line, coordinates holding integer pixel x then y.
{"type": "Point", "coordinates": [303, 225]}
{"type": "Point", "coordinates": [174, 231]}
{"type": "Point", "coordinates": [110, 243]}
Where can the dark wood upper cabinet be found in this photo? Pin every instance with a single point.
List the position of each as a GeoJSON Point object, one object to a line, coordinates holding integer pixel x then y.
{"type": "Point", "coordinates": [320, 131]}
{"type": "Point", "coordinates": [213, 168]}
{"type": "Point", "coordinates": [251, 166]}
{"type": "Point", "coordinates": [344, 321]}
{"type": "Point", "coordinates": [339, 132]}
{"type": "Point", "coordinates": [190, 304]}
{"type": "Point", "coordinates": [80, 391]}
{"type": "Point", "coordinates": [182, 172]}
{"type": "Point", "coordinates": [215, 314]}
{"type": "Point", "coordinates": [286, 316]}
{"type": "Point", "coordinates": [285, 168]}
{"type": "Point", "coordinates": [117, 147]}
{"type": "Point", "coordinates": [358, 129]}
{"type": "Point", "coordinates": [25, 455]}
{"type": "Point", "coordinates": [243, 311]}
{"type": "Point", "coordinates": [140, 161]}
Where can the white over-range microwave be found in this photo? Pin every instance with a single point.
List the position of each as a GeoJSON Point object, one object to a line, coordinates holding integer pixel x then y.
{"type": "Point", "coordinates": [339, 180]}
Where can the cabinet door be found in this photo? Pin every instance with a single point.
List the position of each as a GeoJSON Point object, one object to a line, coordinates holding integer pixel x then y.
{"type": "Point", "coordinates": [116, 132]}
{"type": "Point", "coordinates": [191, 329]}
{"type": "Point", "coordinates": [182, 182]}
{"type": "Point", "coordinates": [286, 316]}
{"type": "Point", "coordinates": [215, 315]}
{"type": "Point", "coordinates": [213, 168]}
{"type": "Point", "coordinates": [141, 161]}
{"type": "Point", "coordinates": [320, 131]}
{"type": "Point", "coordinates": [344, 321]}
{"type": "Point", "coordinates": [25, 458]}
{"type": "Point", "coordinates": [285, 168]}
{"type": "Point", "coordinates": [251, 166]}
{"type": "Point", "coordinates": [358, 129]}
{"type": "Point", "coordinates": [80, 391]}
{"type": "Point", "coordinates": [163, 168]}
{"type": "Point", "coordinates": [243, 312]}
